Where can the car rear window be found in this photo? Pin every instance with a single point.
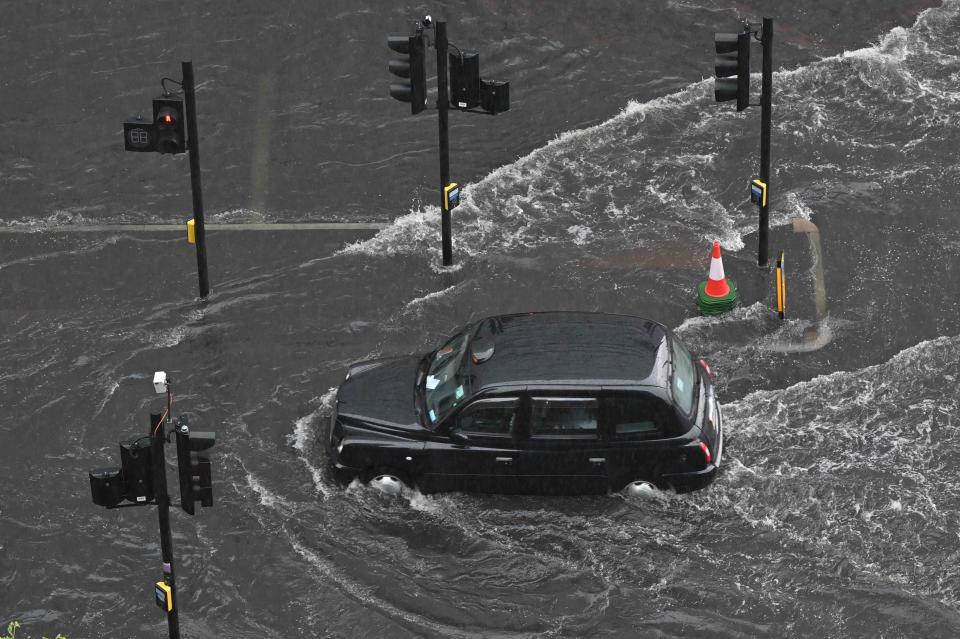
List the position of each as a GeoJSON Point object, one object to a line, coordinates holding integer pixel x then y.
{"type": "Point", "coordinates": [563, 418]}
{"type": "Point", "coordinates": [684, 377]}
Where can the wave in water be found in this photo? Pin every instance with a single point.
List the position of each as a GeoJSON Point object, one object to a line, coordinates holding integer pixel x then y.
{"type": "Point", "coordinates": [650, 174]}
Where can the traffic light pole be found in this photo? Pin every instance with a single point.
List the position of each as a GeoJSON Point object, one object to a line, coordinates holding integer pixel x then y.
{"type": "Point", "coordinates": [158, 439]}
{"type": "Point", "coordinates": [443, 103]}
{"type": "Point", "coordinates": [766, 106]}
{"type": "Point", "coordinates": [193, 146]}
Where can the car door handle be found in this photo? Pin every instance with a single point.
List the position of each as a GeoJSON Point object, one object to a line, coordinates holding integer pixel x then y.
{"type": "Point", "coordinates": [504, 460]}
{"type": "Point", "coordinates": [598, 460]}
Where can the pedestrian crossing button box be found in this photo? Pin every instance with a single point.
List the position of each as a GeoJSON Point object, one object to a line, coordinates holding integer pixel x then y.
{"type": "Point", "coordinates": [758, 192]}
{"type": "Point", "coordinates": [164, 596]}
{"type": "Point", "coordinates": [451, 196]}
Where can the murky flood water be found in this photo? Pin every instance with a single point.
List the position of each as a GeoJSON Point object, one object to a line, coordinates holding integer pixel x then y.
{"type": "Point", "coordinates": [836, 511]}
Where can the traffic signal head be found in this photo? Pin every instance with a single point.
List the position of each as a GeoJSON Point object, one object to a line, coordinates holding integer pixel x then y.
{"type": "Point", "coordinates": [465, 79]}
{"type": "Point", "coordinates": [139, 135]}
{"type": "Point", "coordinates": [413, 67]}
{"type": "Point", "coordinates": [196, 483]}
{"type": "Point", "coordinates": [136, 460]}
{"type": "Point", "coordinates": [106, 486]}
{"type": "Point", "coordinates": [169, 123]}
{"type": "Point", "coordinates": [133, 481]}
{"type": "Point", "coordinates": [732, 68]}
{"type": "Point", "coordinates": [495, 96]}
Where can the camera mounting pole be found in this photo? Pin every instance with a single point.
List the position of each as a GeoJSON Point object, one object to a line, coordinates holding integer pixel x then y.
{"type": "Point", "coordinates": [158, 436]}
{"type": "Point", "coordinates": [443, 104]}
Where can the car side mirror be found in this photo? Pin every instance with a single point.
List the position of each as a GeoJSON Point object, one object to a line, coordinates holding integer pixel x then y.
{"type": "Point", "coordinates": [459, 437]}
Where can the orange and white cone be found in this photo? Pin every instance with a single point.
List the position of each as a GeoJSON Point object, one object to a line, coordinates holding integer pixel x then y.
{"type": "Point", "coordinates": [716, 295]}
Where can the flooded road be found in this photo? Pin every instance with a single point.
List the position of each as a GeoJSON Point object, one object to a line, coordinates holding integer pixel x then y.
{"type": "Point", "coordinates": [836, 513]}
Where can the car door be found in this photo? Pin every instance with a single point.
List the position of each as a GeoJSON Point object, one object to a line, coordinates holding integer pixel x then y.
{"type": "Point", "coordinates": [477, 449]}
{"type": "Point", "coordinates": [635, 424]}
{"type": "Point", "coordinates": [562, 451]}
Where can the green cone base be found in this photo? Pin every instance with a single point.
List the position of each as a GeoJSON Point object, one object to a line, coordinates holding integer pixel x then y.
{"type": "Point", "coordinates": [716, 305]}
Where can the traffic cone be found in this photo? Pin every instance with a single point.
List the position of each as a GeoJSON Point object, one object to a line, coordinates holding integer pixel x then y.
{"type": "Point", "coordinates": [716, 295]}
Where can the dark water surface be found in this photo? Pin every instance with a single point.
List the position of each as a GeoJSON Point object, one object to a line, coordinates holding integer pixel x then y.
{"type": "Point", "coordinates": [836, 513]}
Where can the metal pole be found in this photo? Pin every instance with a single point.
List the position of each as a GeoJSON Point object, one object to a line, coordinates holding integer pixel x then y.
{"type": "Point", "coordinates": [443, 102]}
{"type": "Point", "coordinates": [766, 106]}
{"type": "Point", "coordinates": [193, 146]}
{"type": "Point", "coordinates": [157, 441]}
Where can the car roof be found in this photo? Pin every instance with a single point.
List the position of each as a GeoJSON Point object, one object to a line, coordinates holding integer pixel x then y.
{"type": "Point", "coordinates": [570, 349]}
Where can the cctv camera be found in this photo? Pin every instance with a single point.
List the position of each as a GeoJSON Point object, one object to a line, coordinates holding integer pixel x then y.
{"type": "Point", "coordinates": [160, 382]}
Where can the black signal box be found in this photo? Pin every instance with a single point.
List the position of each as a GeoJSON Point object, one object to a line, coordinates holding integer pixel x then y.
{"type": "Point", "coordinates": [465, 80]}
{"type": "Point", "coordinates": [135, 458]}
{"type": "Point", "coordinates": [106, 486]}
{"type": "Point", "coordinates": [168, 120]}
{"type": "Point", "coordinates": [495, 96]}
{"type": "Point", "coordinates": [139, 135]}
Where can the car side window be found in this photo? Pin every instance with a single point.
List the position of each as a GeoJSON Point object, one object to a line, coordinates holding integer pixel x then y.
{"type": "Point", "coordinates": [490, 417]}
{"type": "Point", "coordinates": [637, 417]}
{"type": "Point", "coordinates": [563, 418]}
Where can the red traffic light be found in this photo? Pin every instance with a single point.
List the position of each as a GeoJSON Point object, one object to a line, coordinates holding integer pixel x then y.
{"type": "Point", "coordinates": [169, 119]}
{"type": "Point", "coordinates": [166, 116]}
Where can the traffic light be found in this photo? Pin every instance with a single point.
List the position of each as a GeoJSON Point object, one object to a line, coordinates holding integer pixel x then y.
{"type": "Point", "coordinates": [194, 465]}
{"type": "Point", "coordinates": [136, 460]}
{"type": "Point", "coordinates": [413, 66]}
{"type": "Point", "coordinates": [132, 481]}
{"type": "Point", "coordinates": [733, 59]}
{"type": "Point", "coordinates": [495, 96]}
{"type": "Point", "coordinates": [169, 123]}
{"type": "Point", "coordinates": [139, 135]}
{"type": "Point", "coordinates": [106, 486]}
{"type": "Point", "coordinates": [464, 79]}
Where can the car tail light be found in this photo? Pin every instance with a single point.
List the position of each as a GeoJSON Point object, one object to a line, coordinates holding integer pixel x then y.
{"type": "Point", "coordinates": [706, 452]}
{"type": "Point", "coordinates": [706, 367]}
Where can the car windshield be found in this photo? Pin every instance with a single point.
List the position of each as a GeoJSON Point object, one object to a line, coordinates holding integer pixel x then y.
{"type": "Point", "coordinates": [443, 387]}
{"type": "Point", "coordinates": [684, 377]}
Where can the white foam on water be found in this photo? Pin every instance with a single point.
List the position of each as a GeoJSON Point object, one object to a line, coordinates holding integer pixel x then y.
{"type": "Point", "coordinates": [235, 216]}
{"type": "Point", "coordinates": [266, 496]}
{"type": "Point", "coordinates": [579, 234]}
{"type": "Point", "coordinates": [908, 363]}
{"type": "Point", "coordinates": [99, 243]}
{"type": "Point", "coordinates": [518, 219]}
{"type": "Point", "coordinates": [757, 311]}
{"type": "Point", "coordinates": [112, 388]}
{"type": "Point", "coordinates": [304, 435]}
{"type": "Point", "coordinates": [169, 337]}
{"type": "Point", "coordinates": [418, 302]}
{"type": "Point", "coordinates": [563, 192]}
{"type": "Point", "coordinates": [811, 444]}
{"type": "Point", "coordinates": [59, 217]}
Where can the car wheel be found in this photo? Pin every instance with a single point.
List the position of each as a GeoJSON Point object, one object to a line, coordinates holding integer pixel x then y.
{"type": "Point", "coordinates": [640, 488]}
{"type": "Point", "coordinates": [388, 481]}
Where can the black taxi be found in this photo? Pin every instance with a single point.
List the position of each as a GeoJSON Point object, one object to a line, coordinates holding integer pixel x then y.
{"type": "Point", "coordinates": [553, 402]}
